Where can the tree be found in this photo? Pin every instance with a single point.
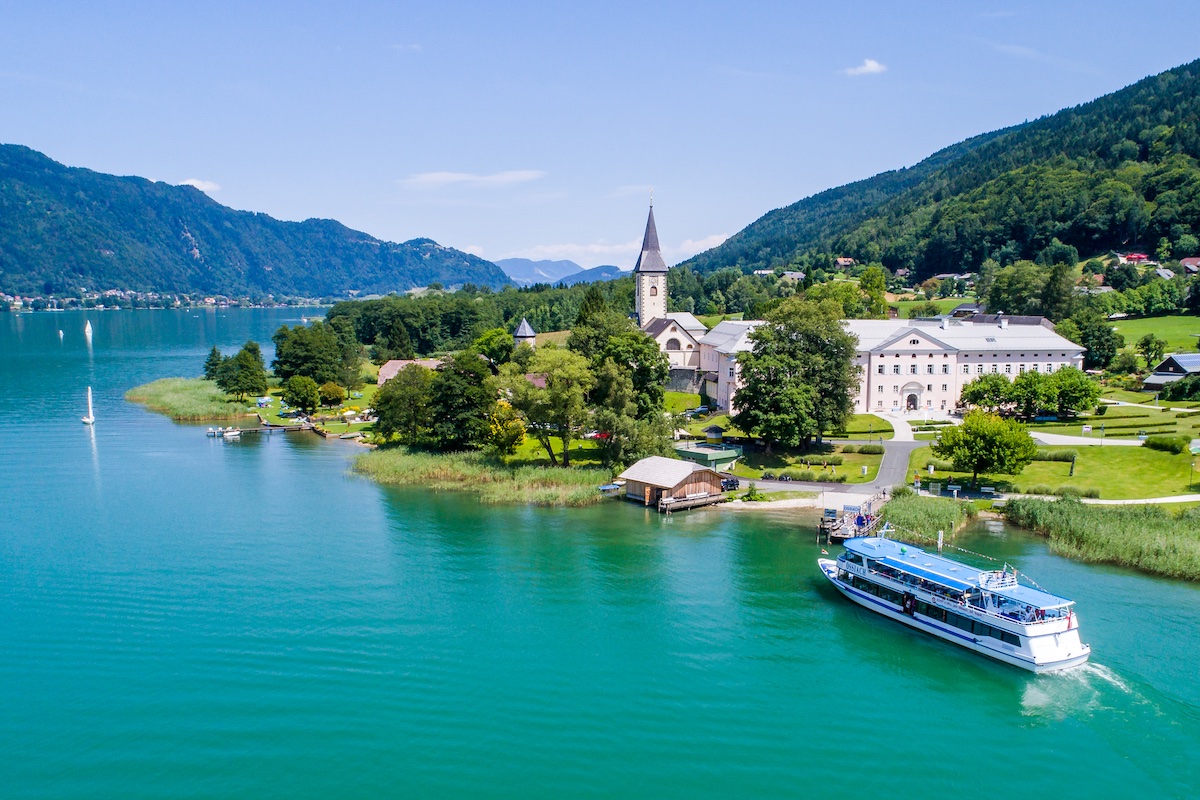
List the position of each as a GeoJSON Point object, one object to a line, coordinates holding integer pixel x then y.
{"type": "Point", "coordinates": [331, 394]}
{"type": "Point", "coordinates": [590, 337]}
{"type": "Point", "coordinates": [991, 392]}
{"type": "Point", "coordinates": [506, 429]}
{"type": "Point", "coordinates": [350, 357]}
{"type": "Point", "coordinates": [212, 364]}
{"type": "Point", "coordinates": [402, 406]}
{"type": "Point", "coordinates": [873, 282]}
{"type": "Point", "coordinates": [1126, 363]}
{"type": "Point", "coordinates": [461, 398]}
{"type": "Point", "coordinates": [623, 437]}
{"type": "Point", "coordinates": [648, 367]}
{"type": "Point", "coordinates": [300, 391]}
{"type": "Point", "coordinates": [1058, 293]}
{"type": "Point", "coordinates": [593, 304]}
{"type": "Point", "coordinates": [313, 351]}
{"type": "Point", "coordinates": [244, 373]}
{"type": "Point", "coordinates": [925, 309]}
{"type": "Point", "coordinates": [551, 397]}
{"type": "Point", "coordinates": [986, 442]}
{"type": "Point", "coordinates": [496, 345]}
{"type": "Point", "coordinates": [1151, 348]}
{"type": "Point", "coordinates": [1031, 392]}
{"type": "Point", "coordinates": [800, 379]}
{"type": "Point", "coordinates": [1016, 289]}
{"type": "Point", "coordinates": [1074, 391]}
{"type": "Point", "coordinates": [1097, 335]}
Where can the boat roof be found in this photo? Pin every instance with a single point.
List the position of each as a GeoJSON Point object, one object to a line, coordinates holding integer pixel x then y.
{"type": "Point", "coordinates": [945, 571]}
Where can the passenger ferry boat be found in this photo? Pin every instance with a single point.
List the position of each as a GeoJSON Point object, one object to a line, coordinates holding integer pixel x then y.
{"type": "Point", "coordinates": [985, 611]}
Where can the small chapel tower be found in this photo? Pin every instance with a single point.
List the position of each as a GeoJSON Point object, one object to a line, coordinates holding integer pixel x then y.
{"type": "Point", "coordinates": [650, 277]}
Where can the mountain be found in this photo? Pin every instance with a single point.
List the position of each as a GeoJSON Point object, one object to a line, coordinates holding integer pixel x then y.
{"type": "Point", "coordinates": [525, 272]}
{"type": "Point", "coordinates": [606, 272]}
{"type": "Point", "coordinates": [64, 228]}
{"type": "Point", "coordinates": [1119, 172]}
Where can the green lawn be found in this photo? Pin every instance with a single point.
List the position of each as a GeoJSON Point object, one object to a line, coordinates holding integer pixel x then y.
{"type": "Point", "coordinates": [1177, 329]}
{"type": "Point", "coordinates": [944, 304]}
{"type": "Point", "coordinates": [864, 426]}
{"type": "Point", "coordinates": [584, 452]}
{"type": "Point", "coordinates": [271, 412]}
{"type": "Point", "coordinates": [1125, 422]}
{"type": "Point", "coordinates": [678, 402]}
{"type": "Point", "coordinates": [755, 461]}
{"type": "Point", "coordinates": [696, 427]}
{"type": "Point", "coordinates": [192, 399]}
{"type": "Point", "coordinates": [1118, 473]}
{"type": "Point", "coordinates": [711, 320]}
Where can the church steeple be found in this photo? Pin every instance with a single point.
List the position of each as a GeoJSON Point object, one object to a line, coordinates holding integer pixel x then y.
{"type": "Point", "coordinates": [651, 258]}
{"type": "Point", "coordinates": [650, 277]}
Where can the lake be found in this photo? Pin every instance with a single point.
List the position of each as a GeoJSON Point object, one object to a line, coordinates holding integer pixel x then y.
{"type": "Point", "coordinates": [191, 617]}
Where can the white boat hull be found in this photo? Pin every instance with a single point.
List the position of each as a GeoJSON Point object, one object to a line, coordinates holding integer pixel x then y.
{"type": "Point", "coordinates": [999, 652]}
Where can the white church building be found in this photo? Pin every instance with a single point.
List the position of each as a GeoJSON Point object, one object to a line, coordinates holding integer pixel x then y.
{"type": "Point", "coordinates": [912, 365]}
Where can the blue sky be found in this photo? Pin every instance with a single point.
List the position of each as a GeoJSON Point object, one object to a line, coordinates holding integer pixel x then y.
{"type": "Point", "coordinates": [538, 129]}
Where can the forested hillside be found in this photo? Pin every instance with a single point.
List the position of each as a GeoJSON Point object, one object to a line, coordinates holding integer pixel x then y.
{"type": "Point", "coordinates": [1118, 172]}
{"type": "Point", "coordinates": [63, 229]}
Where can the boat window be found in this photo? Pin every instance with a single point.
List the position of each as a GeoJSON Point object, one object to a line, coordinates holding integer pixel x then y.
{"type": "Point", "coordinates": [854, 558]}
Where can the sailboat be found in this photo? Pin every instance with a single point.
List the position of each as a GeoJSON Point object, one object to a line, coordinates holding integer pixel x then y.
{"type": "Point", "coordinates": [90, 419]}
{"type": "Point", "coordinates": [87, 331]}
{"type": "Point", "coordinates": [60, 334]}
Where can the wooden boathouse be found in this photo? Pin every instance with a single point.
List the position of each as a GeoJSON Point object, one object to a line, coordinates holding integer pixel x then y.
{"type": "Point", "coordinates": [671, 484]}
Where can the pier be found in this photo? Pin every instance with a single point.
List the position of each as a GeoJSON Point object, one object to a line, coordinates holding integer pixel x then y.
{"type": "Point", "coordinates": [858, 516]}
{"type": "Point", "coordinates": [303, 426]}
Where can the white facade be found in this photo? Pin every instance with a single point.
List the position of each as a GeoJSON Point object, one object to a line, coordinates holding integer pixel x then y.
{"type": "Point", "coordinates": [908, 365]}
{"type": "Point", "coordinates": [650, 296]}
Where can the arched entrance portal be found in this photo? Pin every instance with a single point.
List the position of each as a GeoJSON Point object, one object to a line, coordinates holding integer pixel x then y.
{"type": "Point", "coordinates": [912, 396]}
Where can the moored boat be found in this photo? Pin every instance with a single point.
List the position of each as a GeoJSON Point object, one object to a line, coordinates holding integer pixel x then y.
{"type": "Point", "coordinates": [988, 611]}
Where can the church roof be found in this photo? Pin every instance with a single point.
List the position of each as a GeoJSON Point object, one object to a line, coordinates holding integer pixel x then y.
{"type": "Point", "coordinates": [651, 258]}
{"type": "Point", "coordinates": [524, 330]}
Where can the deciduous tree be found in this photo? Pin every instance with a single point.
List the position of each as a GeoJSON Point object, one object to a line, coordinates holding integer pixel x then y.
{"type": "Point", "coordinates": [551, 397]}
{"type": "Point", "coordinates": [402, 406]}
{"type": "Point", "coordinates": [987, 443]}
{"type": "Point", "coordinates": [300, 391]}
{"type": "Point", "coordinates": [462, 394]}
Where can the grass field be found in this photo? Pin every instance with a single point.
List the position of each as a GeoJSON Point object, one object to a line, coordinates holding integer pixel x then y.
{"type": "Point", "coordinates": [1127, 422]}
{"type": "Point", "coordinates": [584, 452]}
{"type": "Point", "coordinates": [188, 399]}
{"type": "Point", "coordinates": [944, 304]}
{"type": "Point", "coordinates": [492, 481]}
{"type": "Point", "coordinates": [925, 516]}
{"type": "Point", "coordinates": [864, 426]}
{"type": "Point", "coordinates": [678, 402]}
{"type": "Point", "coordinates": [1177, 329]}
{"type": "Point", "coordinates": [711, 320]}
{"type": "Point", "coordinates": [755, 461]}
{"type": "Point", "coordinates": [1117, 473]}
{"type": "Point", "coordinates": [558, 338]}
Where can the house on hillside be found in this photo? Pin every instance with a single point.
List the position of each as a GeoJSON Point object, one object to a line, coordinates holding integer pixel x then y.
{"type": "Point", "coordinates": [666, 482]}
{"type": "Point", "coordinates": [1173, 368]}
{"type": "Point", "coordinates": [1190, 265]}
{"type": "Point", "coordinates": [678, 335]}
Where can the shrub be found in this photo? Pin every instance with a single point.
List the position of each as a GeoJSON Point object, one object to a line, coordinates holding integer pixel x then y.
{"type": "Point", "coordinates": [1075, 491]}
{"type": "Point", "coordinates": [871, 449]}
{"type": "Point", "coordinates": [1055, 455]}
{"type": "Point", "coordinates": [901, 490]}
{"type": "Point", "coordinates": [850, 448]}
{"type": "Point", "coordinates": [768, 475]}
{"type": "Point", "coordinates": [938, 464]}
{"type": "Point", "coordinates": [1169, 444]}
{"type": "Point", "coordinates": [1038, 488]}
{"type": "Point", "coordinates": [1101, 410]}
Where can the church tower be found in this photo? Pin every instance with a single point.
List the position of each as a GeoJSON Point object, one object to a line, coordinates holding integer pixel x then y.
{"type": "Point", "coordinates": [650, 277]}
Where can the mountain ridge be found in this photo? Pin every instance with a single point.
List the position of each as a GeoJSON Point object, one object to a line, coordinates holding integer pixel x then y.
{"type": "Point", "coordinates": [64, 228]}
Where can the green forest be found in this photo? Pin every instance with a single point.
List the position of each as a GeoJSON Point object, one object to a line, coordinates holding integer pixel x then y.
{"type": "Point", "coordinates": [1120, 172]}
{"type": "Point", "coordinates": [64, 229]}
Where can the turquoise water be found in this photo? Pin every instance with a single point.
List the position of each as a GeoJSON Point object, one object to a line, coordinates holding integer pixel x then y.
{"type": "Point", "coordinates": [195, 618]}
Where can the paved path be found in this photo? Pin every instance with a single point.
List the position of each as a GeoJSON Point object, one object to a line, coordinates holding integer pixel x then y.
{"type": "Point", "coordinates": [1058, 438]}
{"type": "Point", "coordinates": [1145, 501]}
{"type": "Point", "coordinates": [893, 469]}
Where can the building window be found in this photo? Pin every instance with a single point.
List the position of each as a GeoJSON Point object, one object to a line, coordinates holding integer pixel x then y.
{"type": "Point", "coordinates": [895, 369]}
{"type": "Point", "coordinates": [1008, 369]}
{"type": "Point", "coordinates": [929, 388]}
{"type": "Point", "coordinates": [967, 369]}
{"type": "Point", "coordinates": [881, 369]}
{"type": "Point", "coordinates": [914, 341]}
{"type": "Point", "coordinates": [653, 291]}
{"type": "Point", "coordinates": [945, 369]}
{"type": "Point", "coordinates": [930, 370]}
{"type": "Point", "coordinates": [994, 370]}
{"type": "Point", "coordinates": [673, 344]}
{"type": "Point", "coordinates": [914, 369]}
{"type": "Point", "coordinates": [879, 389]}
{"type": "Point", "coordinates": [1033, 367]}
{"type": "Point", "coordinates": [1021, 369]}
{"type": "Point", "coordinates": [944, 387]}
{"type": "Point", "coordinates": [896, 389]}
{"type": "Point", "coordinates": [731, 372]}
{"type": "Point", "coordinates": [978, 369]}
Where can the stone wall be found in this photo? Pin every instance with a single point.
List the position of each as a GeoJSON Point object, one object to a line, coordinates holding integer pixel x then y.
{"type": "Point", "coordinates": [684, 379]}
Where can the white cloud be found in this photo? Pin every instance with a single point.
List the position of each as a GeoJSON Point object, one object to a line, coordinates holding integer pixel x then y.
{"type": "Point", "coordinates": [869, 67]}
{"type": "Point", "coordinates": [407, 48]}
{"type": "Point", "coordinates": [205, 186]}
{"type": "Point", "coordinates": [439, 180]}
{"type": "Point", "coordinates": [473, 249]}
{"type": "Point", "coordinates": [689, 247]}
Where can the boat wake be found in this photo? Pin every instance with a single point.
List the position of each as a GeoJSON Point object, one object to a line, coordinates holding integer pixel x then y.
{"type": "Point", "coordinates": [1080, 691]}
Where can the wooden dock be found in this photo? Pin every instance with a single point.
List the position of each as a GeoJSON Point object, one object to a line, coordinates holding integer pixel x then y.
{"type": "Point", "coordinates": [668, 504]}
{"type": "Point", "coordinates": [219, 433]}
{"type": "Point", "coordinates": [859, 519]}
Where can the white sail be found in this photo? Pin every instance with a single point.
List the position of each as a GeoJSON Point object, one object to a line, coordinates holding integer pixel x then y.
{"type": "Point", "coordinates": [87, 330]}
{"type": "Point", "coordinates": [60, 334]}
{"type": "Point", "coordinates": [90, 418]}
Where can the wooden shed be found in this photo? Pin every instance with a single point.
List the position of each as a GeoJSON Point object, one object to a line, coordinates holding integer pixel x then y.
{"type": "Point", "coordinates": [668, 483]}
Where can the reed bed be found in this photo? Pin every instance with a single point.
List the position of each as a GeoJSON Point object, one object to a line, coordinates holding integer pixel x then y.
{"type": "Point", "coordinates": [187, 399]}
{"type": "Point", "coordinates": [494, 482]}
{"type": "Point", "coordinates": [1148, 538]}
{"type": "Point", "coordinates": [925, 516]}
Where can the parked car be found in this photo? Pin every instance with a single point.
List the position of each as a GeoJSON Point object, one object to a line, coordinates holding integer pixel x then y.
{"type": "Point", "coordinates": [730, 484]}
